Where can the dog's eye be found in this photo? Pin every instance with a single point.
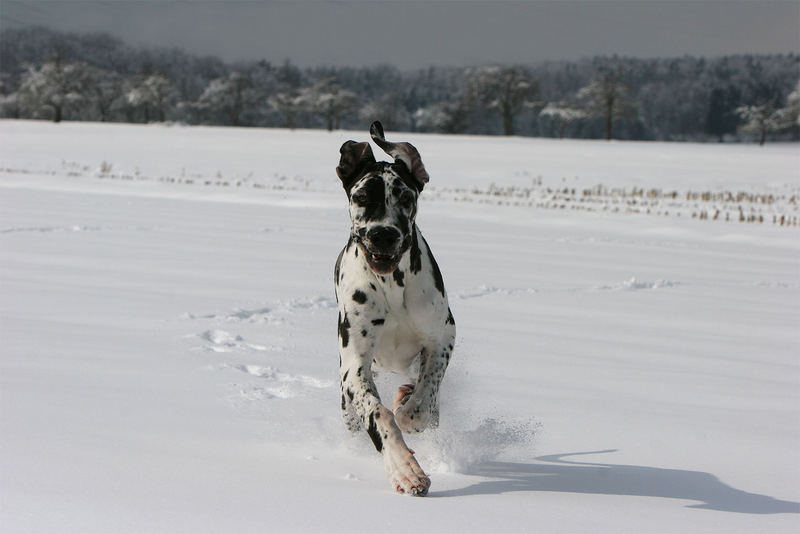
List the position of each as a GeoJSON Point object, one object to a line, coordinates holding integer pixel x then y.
{"type": "Point", "coordinates": [360, 198]}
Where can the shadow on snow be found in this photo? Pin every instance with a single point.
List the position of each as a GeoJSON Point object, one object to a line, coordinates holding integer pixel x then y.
{"type": "Point", "coordinates": [554, 473]}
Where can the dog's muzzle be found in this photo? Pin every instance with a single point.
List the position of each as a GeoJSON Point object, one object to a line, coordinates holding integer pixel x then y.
{"type": "Point", "coordinates": [383, 248]}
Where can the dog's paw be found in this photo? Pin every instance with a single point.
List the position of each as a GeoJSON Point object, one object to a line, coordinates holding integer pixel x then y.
{"type": "Point", "coordinates": [411, 417]}
{"type": "Point", "coordinates": [404, 473]}
{"type": "Point", "coordinates": [407, 411]}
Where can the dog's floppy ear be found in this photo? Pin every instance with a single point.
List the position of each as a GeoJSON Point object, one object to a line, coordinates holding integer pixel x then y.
{"type": "Point", "coordinates": [405, 152]}
{"type": "Point", "coordinates": [355, 156]}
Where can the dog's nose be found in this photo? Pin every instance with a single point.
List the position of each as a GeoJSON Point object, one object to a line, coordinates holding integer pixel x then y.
{"type": "Point", "coordinates": [384, 237]}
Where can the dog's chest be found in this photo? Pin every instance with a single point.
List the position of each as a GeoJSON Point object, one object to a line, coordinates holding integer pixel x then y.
{"type": "Point", "coordinates": [397, 338]}
{"type": "Point", "coordinates": [394, 296]}
{"type": "Point", "coordinates": [400, 337]}
{"type": "Point", "coordinates": [397, 345]}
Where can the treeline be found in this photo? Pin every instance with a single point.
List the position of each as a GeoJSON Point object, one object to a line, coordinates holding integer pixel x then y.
{"type": "Point", "coordinates": [50, 75]}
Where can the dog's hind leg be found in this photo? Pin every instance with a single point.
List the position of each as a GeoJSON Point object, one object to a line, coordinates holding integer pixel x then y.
{"type": "Point", "coordinates": [418, 409]}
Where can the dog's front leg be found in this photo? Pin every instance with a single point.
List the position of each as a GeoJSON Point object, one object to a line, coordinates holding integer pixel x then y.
{"type": "Point", "coordinates": [419, 409]}
{"type": "Point", "coordinates": [404, 473]}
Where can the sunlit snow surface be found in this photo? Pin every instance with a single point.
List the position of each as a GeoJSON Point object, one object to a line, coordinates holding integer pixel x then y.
{"type": "Point", "coordinates": [626, 360]}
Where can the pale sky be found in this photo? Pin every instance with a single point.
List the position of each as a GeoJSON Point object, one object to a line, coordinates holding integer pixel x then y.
{"type": "Point", "coordinates": [412, 34]}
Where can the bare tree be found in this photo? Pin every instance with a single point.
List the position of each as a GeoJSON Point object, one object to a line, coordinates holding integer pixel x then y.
{"type": "Point", "coordinates": [607, 96]}
{"type": "Point", "coordinates": [53, 87]}
{"type": "Point", "coordinates": [791, 113]}
{"type": "Point", "coordinates": [151, 93]}
{"type": "Point", "coordinates": [288, 103]}
{"type": "Point", "coordinates": [232, 96]}
{"type": "Point", "coordinates": [104, 91]}
{"type": "Point", "coordinates": [506, 90]}
{"type": "Point", "coordinates": [328, 99]}
{"type": "Point", "coordinates": [388, 109]}
{"type": "Point", "coordinates": [760, 120]}
{"type": "Point", "coordinates": [444, 117]}
{"type": "Point", "coordinates": [563, 113]}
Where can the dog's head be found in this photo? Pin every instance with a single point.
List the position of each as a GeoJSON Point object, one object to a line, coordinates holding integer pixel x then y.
{"type": "Point", "coordinates": [383, 197]}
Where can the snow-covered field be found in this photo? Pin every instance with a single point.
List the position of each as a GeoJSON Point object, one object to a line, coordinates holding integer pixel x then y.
{"type": "Point", "coordinates": [625, 362]}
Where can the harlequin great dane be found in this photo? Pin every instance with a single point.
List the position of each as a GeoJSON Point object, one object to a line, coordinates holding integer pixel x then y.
{"type": "Point", "coordinates": [393, 310]}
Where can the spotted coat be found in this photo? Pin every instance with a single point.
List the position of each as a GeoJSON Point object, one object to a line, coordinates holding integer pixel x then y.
{"type": "Point", "coordinates": [393, 309]}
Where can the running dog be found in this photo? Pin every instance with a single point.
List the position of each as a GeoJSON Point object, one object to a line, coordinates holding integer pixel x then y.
{"type": "Point", "coordinates": [393, 309]}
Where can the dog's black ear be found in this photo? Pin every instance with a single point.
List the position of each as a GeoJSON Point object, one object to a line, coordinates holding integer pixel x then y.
{"type": "Point", "coordinates": [405, 152]}
{"type": "Point", "coordinates": [355, 156]}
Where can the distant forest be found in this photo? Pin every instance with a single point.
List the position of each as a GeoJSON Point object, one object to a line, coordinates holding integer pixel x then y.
{"type": "Point", "coordinates": [56, 76]}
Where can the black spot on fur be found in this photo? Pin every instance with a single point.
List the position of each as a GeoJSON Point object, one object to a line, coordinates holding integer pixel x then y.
{"type": "Point", "coordinates": [416, 260]}
{"type": "Point", "coordinates": [398, 277]}
{"type": "Point", "coordinates": [378, 321]}
{"type": "Point", "coordinates": [359, 370]}
{"type": "Point", "coordinates": [404, 224]}
{"type": "Point", "coordinates": [344, 378]}
{"type": "Point", "coordinates": [371, 196]}
{"type": "Point", "coordinates": [373, 286]}
{"type": "Point", "coordinates": [344, 403]}
{"type": "Point", "coordinates": [344, 329]}
{"type": "Point", "coordinates": [405, 175]}
{"type": "Point", "coordinates": [359, 296]}
{"type": "Point", "coordinates": [450, 319]}
{"type": "Point", "coordinates": [372, 430]}
{"type": "Point", "coordinates": [350, 394]}
{"type": "Point", "coordinates": [437, 275]}
{"type": "Point", "coordinates": [363, 333]}
{"type": "Point", "coordinates": [338, 266]}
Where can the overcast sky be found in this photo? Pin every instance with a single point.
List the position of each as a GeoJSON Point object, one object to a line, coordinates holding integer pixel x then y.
{"type": "Point", "coordinates": [417, 34]}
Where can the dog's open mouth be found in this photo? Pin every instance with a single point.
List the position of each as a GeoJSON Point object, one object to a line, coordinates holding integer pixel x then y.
{"type": "Point", "coordinates": [382, 263]}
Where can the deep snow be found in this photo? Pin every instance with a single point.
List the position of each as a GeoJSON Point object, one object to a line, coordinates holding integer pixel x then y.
{"type": "Point", "coordinates": [168, 356]}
